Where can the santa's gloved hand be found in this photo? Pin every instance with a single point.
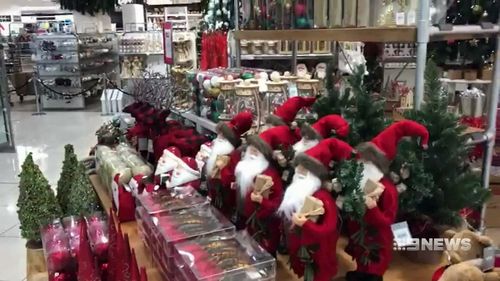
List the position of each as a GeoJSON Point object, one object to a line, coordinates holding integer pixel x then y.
{"type": "Point", "coordinates": [298, 219]}
{"type": "Point", "coordinates": [257, 198]}
{"type": "Point", "coordinates": [370, 202]}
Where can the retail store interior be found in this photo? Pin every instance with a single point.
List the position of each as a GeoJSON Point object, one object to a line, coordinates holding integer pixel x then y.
{"type": "Point", "coordinates": [245, 140]}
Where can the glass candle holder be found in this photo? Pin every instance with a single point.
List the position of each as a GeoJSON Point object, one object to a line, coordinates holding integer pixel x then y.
{"type": "Point", "coordinates": [247, 99]}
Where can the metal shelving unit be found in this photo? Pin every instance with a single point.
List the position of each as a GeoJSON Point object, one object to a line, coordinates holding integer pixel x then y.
{"type": "Point", "coordinates": [422, 34]}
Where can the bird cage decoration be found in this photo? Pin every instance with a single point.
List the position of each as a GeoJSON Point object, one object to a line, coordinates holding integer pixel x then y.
{"type": "Point", "coordinates": [227, 98]}
{"type": "Point", "coordinates": [276, 94]}
{"type": "Point", "coordinates": [247, 99]}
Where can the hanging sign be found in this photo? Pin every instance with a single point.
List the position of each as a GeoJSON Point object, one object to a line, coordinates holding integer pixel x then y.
{"type": "Point", "coordinates": [168, 48]}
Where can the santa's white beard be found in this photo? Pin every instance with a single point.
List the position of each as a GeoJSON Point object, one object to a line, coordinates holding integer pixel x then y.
{"type": "Point", "coordinates": [165, 165]}
{"type": "Point", "coordinates": [304, 145]}
{"type": "Point", "coordinates": [179, 178]}
{"type": "Point", "coordinates": [247, 169]}
{"type": "Point", "coordinates": [296, 193]}
{"type": "Point", "coordinates": [219, 147]}
{"type": "Point", "coordinates": [370, 171]}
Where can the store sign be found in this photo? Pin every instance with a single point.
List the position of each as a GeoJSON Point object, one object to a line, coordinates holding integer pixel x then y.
{"type": "Point", "coordinates": [168, 48]}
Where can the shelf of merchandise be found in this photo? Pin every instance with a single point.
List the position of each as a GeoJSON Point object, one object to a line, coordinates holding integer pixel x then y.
{"type": "Point", "coordinates": [463, 81]}
{"type": "Point", "coordinates": [286, 57]}
{"type": "Point", "coordinates": [199, 121]}
{"type": "Point", "coordinates": [74, 65]}
{"type": "Point", "coordinates": [421, 34]}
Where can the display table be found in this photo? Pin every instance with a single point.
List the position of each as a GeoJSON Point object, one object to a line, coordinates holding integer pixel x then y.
{"type": "Point", "coordinates": [401, 268]}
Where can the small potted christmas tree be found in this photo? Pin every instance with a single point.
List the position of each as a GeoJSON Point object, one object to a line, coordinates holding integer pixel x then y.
{"type": "Point", "coordinates": [70, 165]}
{"type": "Point", "coordinates": [37, 204]}
{"type": "Point", "coordinates": [82, 199]}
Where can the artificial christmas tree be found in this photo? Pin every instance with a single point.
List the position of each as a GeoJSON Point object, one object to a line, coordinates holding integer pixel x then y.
{"type": "Point", "coordinates": [70, 164]}
{"type": "Point", "coordinates": [454, 185]}
{"type": "Point", "coordinates": [37, 204]}
{"type": "Point", "coordinates": [82, 199]}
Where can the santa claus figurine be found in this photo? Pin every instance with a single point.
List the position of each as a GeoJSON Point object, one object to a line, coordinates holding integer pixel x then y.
{"type": "Point", "coordinates": [285, 114]}
{"type": "Point", "coordinates": [222, 160]}
{"type": "Point", "coordinates": [381, 204]}
{"type": "Point", "coordinates": [312, 243]}
{"type": "Point", "coordinates": [166, 164]}
{"type": "Point", "coordinates": [185, 174]}
{"type": "Point", "coordinates": [258, 169]}
{"type": "Point", "coordinates": [323, 128]}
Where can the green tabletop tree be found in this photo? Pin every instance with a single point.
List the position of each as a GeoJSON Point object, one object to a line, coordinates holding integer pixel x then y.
{"type": "Point", "coordinates": [70, 164]}
{"type": "Point", "coordinates": [37, 204]}
{"type": "Point", "coordinates": [82, 199]}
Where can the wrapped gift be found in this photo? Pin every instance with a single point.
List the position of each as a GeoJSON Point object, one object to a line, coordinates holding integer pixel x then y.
{"type": "Point", "coordinates": [176, 227]}
{"type": "Point", "coordinates": [57, 250]}
{"type": "Point", "coordinates": [109, 164]}
{"type": "Point", "coordinates": [235, 257]}
{"type": "Point", "coordinates": [472, 102]}
{"type": "Point", "coordinates": [312, 208]}
{"type": "Point", "coordinates": [263, 185]}
{"type": "Point", "coordinates": [98, 234]}
{"type": "Point", "coordinates": [133, 160]}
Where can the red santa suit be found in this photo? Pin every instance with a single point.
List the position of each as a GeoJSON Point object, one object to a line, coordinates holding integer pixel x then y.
{"type": "Point", "coordinates": [318, 238]}
{"type": "Point", "coordinates": [322, 129]}
{"type": "Point", "coordinates": [286, 113]}
{"type": "Point", "coordinates": [222, 195]}
{"type": "Point", "coordinates": [258, 160]}
{"type": "Point", "coordinates": [380, 152]}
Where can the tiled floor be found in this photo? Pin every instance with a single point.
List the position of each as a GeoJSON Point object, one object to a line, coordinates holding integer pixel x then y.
{"type": "Point", "coordinates": [45, 136]}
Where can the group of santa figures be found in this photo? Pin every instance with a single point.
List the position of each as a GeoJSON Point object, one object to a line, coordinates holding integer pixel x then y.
{"type": "Point", "coordinates": [235, 161]}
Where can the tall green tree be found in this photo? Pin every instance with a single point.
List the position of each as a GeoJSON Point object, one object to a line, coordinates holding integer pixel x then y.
{"type": "Point", "coordinates": [37, 204]}
{"type": "Point", "coordinates": [454, 185]}
{"type": "Point", "coordinates": [82, 198]}
{"type": "Point", "coordinates": [70, 165]}
{"type": "Point", "coordinates": [366, 117]}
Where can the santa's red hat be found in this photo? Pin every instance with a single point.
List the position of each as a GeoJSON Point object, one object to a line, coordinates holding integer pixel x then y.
{"type": "Point", "coordinates": [325, 126]}
{"type": "Point", "coordinates": [190, 165]}
{"type": "Point", "coordinates": [382, 149]}
{"type": "Point", "coordinates": [285, 114]}
{"type": "Point", "coordinates": [173, 152]}
{"type": "Point", "coordinates": [317, 159]}
{"type": "Point", "coordinates": [276, 138]}
{"type": "Point", "coordinates": [234, 129]}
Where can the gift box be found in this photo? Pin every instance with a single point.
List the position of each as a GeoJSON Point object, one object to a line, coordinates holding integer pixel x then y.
{"type": "Point", "coordinates": [177, 198]}
{"type": "Point", "coordinates": [57, 251]}
{"type": "Point", "coordinates": [186, 224]}
{"type": "Point", "coordinates": [235, 257]}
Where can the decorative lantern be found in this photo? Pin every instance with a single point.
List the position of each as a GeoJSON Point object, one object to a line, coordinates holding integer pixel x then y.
{"type": "Point", "coordinates": [285, 14]}
{"type": "Point", "coordinates": [472, 102]}
{"type": "Point", "coordinates": [292, 84]}
{"type": "Point", "coordinates": [276, 95]}
{"type": "Point", "coordinates": [227, 98]}
{"type": "Point", "coordinates": [247, 99]}
{"type": "Point", "coordinates": [307, 87]}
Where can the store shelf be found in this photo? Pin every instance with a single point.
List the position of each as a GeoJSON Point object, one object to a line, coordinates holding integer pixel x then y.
{"type": "Point", "coordinates": [462, 32]}
{"type": "Point", "coordinates": [366, 34]}
{"type": "Point", "coordinates": [140, 54]}
{"type": "Point", "coordinates": [285, 57]}
{"type": "Point", "coordinates": [199, 121]}
{"type": "Point", "coordinates": [463, 81]}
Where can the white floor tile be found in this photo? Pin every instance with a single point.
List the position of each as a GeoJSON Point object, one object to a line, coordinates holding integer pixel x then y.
{"type": "Point", "coordinates": [8, 194]}
{"type": "Point", "coordinates": [13, 232]}
{"type": "Point", "coordinates": [8, 218]}
{"type": "Point", "coordinates": [12, 259]}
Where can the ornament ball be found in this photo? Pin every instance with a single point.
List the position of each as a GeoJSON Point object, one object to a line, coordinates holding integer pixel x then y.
{"type": "Point", "coordinates": [301, 22]}
{"type": "Point", "coordinates": [300, 9]}
{"type": "Point", "coordinates": [477, 10]}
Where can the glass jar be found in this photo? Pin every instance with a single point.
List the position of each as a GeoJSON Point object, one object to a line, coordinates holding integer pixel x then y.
{"type": "Point", "coordinates": [227, 99]}
{"type": "Point", "coordinates": [276, 95]}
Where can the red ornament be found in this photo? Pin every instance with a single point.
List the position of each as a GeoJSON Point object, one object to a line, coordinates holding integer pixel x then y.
{"type": "Point", "coordinates": [59, 276]}
{"type": "Point", "coordinates": [58, 261]}
{"type": "Point", "coordinates": [300, 9]}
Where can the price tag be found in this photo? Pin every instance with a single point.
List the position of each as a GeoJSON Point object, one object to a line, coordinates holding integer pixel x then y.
{"type": "Point", "coordinates": [412, 18]}
{"type": "Point", "coordinates": [400, 18]}
{"type": "Point", "coordinates": [488, 258]}
{"type": "Point", "coordinates": [142, 144]}
{"type": "Point", "coordinates": [402, 235]}
{"type": "Point", "coordinates": [150, 146]}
